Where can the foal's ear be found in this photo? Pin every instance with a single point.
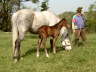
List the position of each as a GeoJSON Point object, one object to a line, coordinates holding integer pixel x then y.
{"type": "Point", "coordinates": [64, 20]}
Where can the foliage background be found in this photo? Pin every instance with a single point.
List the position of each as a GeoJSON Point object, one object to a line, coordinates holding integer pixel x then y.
{"type": "Point", "coordinates": [7, 7]}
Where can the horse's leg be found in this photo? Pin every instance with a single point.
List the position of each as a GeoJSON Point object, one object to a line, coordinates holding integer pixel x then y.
{"type": "Point", "coordinates": [39, 46]}
{"type": "Point", "coordinates": [14, 36]}
{"type": "Point", "coordinates": [17, 50]}
{"type": "Point", "coordinates": [16, 42]}
{"type": "Point", "coordinates": [54, 49]}
{"type": "Point", "coordinates": [54, 45]}
{"type": "Point", "coordinates": [51, 43]}
{"type": "Point", "coordinates": [44, 44]}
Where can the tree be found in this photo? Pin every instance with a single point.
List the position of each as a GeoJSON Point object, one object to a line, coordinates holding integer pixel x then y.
{"type": "Point", "coordinates": [91, 18]}
{"type": "Point", "coordinates": [5, 15]}
{"type": "Point", "coordinates": [7, 7]}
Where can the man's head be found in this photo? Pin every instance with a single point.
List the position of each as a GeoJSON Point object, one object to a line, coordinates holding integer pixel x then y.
{"type": "Point", "coordinates": [79, 9]}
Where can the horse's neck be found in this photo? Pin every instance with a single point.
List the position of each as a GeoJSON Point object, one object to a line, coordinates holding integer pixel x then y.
{"type": "Point", "coordinates": [58, 25]}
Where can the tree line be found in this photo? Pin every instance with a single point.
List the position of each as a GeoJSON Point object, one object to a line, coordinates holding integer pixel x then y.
{"type": "Point", "coordinates": [7, 7]}
{"type": "Point", "coordinates": [90, 18]}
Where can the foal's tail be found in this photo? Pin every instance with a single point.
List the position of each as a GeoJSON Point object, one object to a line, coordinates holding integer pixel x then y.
{"type": "Point", "coordinates": [15, 31]}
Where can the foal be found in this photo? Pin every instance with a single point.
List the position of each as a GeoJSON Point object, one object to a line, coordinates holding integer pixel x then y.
{"type": "Point", "coordinates": [49, 31]}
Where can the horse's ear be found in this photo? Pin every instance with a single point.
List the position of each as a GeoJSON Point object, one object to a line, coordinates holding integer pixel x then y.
{"type": "Point", "coordinates": [64, 19]}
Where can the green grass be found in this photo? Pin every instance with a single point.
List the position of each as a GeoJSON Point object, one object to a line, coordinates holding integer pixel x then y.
{"type": "Point", "coordinates": [79, 59]}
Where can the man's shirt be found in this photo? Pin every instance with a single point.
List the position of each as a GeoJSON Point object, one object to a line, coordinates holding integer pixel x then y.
{"type": "Point", "coordinates": [77, 22]}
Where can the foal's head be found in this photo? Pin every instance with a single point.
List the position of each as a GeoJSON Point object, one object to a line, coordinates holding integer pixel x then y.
{"type": "Point", "coordinates": [62, 23]}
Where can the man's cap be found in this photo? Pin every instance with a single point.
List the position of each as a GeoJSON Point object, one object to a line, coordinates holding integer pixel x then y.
{"type": "Point", "coordinates": [79, 9]}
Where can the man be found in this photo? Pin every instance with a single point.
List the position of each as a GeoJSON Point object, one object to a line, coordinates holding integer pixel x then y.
{"type": "Point", "coordinates": [78, 26]}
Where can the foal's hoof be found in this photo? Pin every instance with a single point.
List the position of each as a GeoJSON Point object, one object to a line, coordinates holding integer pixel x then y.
{"type": "Point", "coordinates": [47, 56]}
{"type": "Point", "coordinates": [37, 56]}
{"type": "Point", "coordinates": [54, 52]}
{"type": "Point", "coordinates": [15, 60]}
{"type": "Point", "coordinates": [21, 58]}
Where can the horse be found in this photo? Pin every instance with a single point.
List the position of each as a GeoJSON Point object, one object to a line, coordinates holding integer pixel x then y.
{"type": "Point", "coordinates": [50, 31]}
{"type": "Point", "coordinates": [25, 20]}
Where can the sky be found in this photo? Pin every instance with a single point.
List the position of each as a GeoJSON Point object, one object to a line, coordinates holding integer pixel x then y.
{"type": "Point", "coordinates": [60, 6]}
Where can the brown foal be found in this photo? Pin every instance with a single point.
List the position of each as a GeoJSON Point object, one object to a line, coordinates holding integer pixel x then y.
{"type": "Point", "coordinates": [50, 31]}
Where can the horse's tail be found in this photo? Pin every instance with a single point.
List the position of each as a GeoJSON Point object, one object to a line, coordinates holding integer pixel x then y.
{"type": "Point", "coordinates": [15, 31]}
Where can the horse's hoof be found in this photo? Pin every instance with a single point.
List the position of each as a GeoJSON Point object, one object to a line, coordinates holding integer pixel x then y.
{"type": "Point", "coordinates": [47, 56]}
{"type": "Point", "coordinates": [15, 60]}
{"type": "Point", "coordinates": [37, 56]}
{"type": "Point", "coordinates": [54, 52]}
{"type": "Point", "coordinates": [21, 58]}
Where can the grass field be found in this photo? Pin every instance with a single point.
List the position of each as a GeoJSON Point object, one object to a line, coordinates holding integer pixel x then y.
{"type": "Point", "coordinates": [79, 59]}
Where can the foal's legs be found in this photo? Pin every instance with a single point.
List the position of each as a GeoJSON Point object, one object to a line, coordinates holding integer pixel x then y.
{"type": "Point", "coordinates": [51, 43]}
{"type": "Point", "coordinates": [54, 46]}
{"type": "Point", "coordinates": [44, 43]}
{"type": "Point", "coordinates": [41, 42]}
{"type": "Point", "coordinates": [39, 46]}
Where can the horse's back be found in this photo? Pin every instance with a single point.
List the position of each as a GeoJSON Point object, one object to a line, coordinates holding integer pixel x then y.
{"type": "Point", "coordinates": [23, 18]}
{"type": "Point", "coordinates": [29, 18]}
{"type": "Point", "coordinates": [51, 17]}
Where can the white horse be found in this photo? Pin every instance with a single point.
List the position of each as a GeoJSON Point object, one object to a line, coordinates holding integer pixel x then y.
{"type": "Point", "coordinates": [25, 20]}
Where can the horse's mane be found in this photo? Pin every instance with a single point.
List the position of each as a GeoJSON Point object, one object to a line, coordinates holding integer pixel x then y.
{"type": "Point", "coordinates": [59, 22]}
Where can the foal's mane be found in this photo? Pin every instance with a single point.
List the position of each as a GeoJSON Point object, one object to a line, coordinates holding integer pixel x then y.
{"type": "Point", "coordinates": [59, 22]}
